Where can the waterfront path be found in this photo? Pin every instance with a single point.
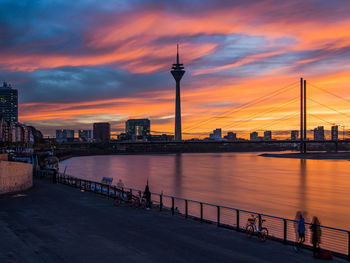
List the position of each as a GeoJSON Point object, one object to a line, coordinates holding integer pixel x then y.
{"type": "Point", "coordinates": [56, 223]}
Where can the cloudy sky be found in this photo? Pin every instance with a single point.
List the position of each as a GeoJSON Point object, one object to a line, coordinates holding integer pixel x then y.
{"type": "Point", "coordinates": [79, 62]}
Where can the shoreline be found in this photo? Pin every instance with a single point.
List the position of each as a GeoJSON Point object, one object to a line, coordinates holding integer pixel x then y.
{"type": "Point", "coordinates": [66, 157]}
{"type": "Point", "coordinates": [310, 156]}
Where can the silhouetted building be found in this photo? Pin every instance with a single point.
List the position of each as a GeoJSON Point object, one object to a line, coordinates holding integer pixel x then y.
{"type": "Point", "coordinates": [253, 136]}
{"type": "Point", "coordinates": [38, 136]}
{"type": "Point", "coordinates": [294, 135]}
{"type": "Point", "coordinates": [9, 103]}
{"type": "Point", "coordinates": [102, 131]}
{"type": "Point", "coordinates": [138, 128]}
{"type": "Point", "coordinates": [334, 133]}
{"type": "Point", "coordinates": [216, 135]}
{"type": "Point", "coordinates": [17, 133]}
{"type": "Point", "coordinates": [3, 130]}
{"type": "Point", "coordinates": [319, 133]}
{"type": "Point", "coordinates": [231, 136]}
{"type": "Point", "coordinates": [64, 136]}
{"type": "Point", "coordinates": [85, 135]}
{"type": "Point", "coordinates": [267, 135]}
{"type": "Point", "coordinates": [178, 71]}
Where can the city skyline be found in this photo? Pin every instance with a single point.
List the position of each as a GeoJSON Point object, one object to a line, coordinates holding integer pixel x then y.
{"type": "Point", "coordinates": [113, 64]}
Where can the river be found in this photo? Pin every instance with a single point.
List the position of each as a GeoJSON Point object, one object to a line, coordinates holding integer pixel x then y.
{"type": "Point", "coordinates": [276, 186]}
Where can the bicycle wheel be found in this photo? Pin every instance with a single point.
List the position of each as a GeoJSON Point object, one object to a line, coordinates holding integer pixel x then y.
{"type": "Point", "coordinates": [249, 230]}
{"type": "Point", "coordinates": [263, 234]}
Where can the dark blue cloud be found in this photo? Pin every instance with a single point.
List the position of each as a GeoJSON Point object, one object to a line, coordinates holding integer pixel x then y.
{"type": "Point", "coordinates": [76, 84]}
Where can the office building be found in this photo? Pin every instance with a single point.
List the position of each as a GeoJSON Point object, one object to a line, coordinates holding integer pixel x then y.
{"type": "Point", "coordinates": [334, 133]}
{"type": "Point", "coordinates": [9, 103]}
{"type": "Point", "coordinates": [138, 128]}
{"type": "Point", "coordinates": [216, 135]}
{"type": "Point", "coordinates": [319, 133]}
{"type": "Point", "coordinates": [231, 136]}
{"type": "Point", "coordinates": [267, 135]}
{"type": "Point", "coordinates": [64, 136]}
{"type": "Point", "coordinates": [102, 131]}
{"type": "Point", "coordinates": [4, 130]}
{"type": "Point", "coordinates": [294, 135]}
{"type": "Point", "coordinates": [254, 136]}
{"type": "Point", "coordinates": [85, 135]}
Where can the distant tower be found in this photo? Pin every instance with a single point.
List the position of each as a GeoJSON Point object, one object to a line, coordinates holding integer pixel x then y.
{"type": "Point", "coordinates": [177, 71]}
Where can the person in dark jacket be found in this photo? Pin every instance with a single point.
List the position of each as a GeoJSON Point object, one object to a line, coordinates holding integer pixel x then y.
{"type": "Point", "coordinates": [301, 230]}
{"type": "Point", "coordinates": [315, 236]}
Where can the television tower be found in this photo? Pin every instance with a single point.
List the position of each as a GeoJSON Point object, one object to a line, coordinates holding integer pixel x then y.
{"type": "Point", "coordinates": [177, 71]}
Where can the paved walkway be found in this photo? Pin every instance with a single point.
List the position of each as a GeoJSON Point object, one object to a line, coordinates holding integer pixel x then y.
{"type": "Point", "coordinates": [57, 223]}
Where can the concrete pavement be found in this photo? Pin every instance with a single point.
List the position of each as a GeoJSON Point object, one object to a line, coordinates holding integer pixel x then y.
{"type": "Point", "coordinates": [56, 223]}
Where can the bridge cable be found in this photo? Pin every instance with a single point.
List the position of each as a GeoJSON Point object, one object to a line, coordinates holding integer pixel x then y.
{"type": "Point", "coordinates": [243, 106]}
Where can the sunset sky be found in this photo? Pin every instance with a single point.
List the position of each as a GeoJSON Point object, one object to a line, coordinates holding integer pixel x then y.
{"type": "Point", "coordinates": [79, 62]}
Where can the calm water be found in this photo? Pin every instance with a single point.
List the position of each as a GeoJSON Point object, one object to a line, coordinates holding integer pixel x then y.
{"type": "Point", "coordinates": [242, 180]}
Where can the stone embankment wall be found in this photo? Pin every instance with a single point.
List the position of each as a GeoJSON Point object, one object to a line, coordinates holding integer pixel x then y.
{"type": "Point", "coordinates": [15, 176]}
{"type": "Point", "coordinates": [4, 157]}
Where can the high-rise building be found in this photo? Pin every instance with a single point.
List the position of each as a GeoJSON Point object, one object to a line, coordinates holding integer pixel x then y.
{"type": "Point", "coordinates": [267, 135]}
{"type": "Point", "coordinates": [64, 136]}
{"type": "Point", "coordinates": [217, 133]}
{"type": "Point", "coordinates": [254, 136]}
{"type": "Point", "coordinates": [9, 103]}
{"type": "Point", "coordinates": [334, 133]}
{"type": "Point", "coordinates": [85, 135]}
{"type": "Point", "coordinates": [319, 133]}
{"type": "Point", "coordinates": [102, 131]}
{"type": "Point", "coordinates": [138, 128]}
{"type": "Point", "coordinates": [178, 71]}
{"type": "Point", "coordinates": [294, 135]}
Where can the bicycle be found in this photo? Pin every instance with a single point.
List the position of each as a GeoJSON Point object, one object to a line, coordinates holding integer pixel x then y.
{"type": "Point", "coordinates": [252, 227]}
{"type": "Point", "coordinates": [123, 198]}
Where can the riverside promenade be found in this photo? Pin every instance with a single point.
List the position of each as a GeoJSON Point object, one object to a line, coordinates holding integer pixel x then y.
{"type": "Point", "coordinates": [57, 223]}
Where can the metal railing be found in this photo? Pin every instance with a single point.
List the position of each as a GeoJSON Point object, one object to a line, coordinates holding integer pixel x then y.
{"type": "Point", "coordinates": [280, 229]}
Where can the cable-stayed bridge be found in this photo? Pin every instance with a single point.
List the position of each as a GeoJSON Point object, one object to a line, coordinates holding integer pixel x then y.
{"type": "Point", "coordinates": [296, 116]}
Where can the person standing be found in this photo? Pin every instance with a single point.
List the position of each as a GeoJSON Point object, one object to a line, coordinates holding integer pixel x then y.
{"type": "Point", "coordinates": [147, 196]}
{"type": "Point", "coordinates": [315, 236]}
{"type": "Point", "coordinates": [301, 230]}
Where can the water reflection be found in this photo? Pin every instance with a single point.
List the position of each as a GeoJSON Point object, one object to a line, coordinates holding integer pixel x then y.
{"type": "Point", "coordinates": [177, 174]}
{"type": "Point", "coordinates": [276, 186]}
{"type": "Point", "coordinates": [302, 187]}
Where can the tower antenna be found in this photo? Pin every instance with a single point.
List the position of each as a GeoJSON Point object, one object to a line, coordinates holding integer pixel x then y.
{"type": "Point", "coordinates": [177, 55]}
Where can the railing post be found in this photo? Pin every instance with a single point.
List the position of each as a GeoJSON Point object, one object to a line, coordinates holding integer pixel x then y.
{"type": "Point", "coordinates": [285, 231]}
{"type": "Point", "coordinates": [161, 202]}
{"type": "Point", "coordinates": [201, 212]}
{"type": "Point", "coordinates": [186, 208]}
{"type": "Point", "coordinates": [172, 205]}
{"type": "Point", "coordinates": [108, 191]}
{"type": "Point", "coordinates": [259, 221]}
{"type": "Point", "coordinates": [95, 188]}
{"type": "Point", "coordinates": [218, 217]}
{"type": "Point", "coordinates": [349, 246]}
{"type": "Point", "coordinates": [237, 219]}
